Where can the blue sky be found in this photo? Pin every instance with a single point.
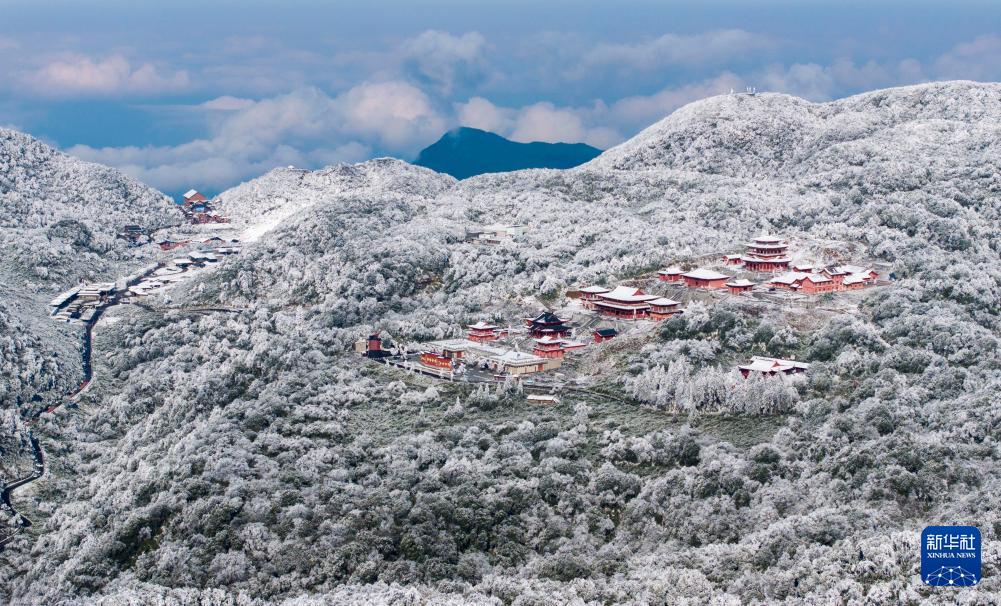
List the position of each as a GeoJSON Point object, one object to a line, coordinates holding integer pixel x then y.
{"type": "Point", "coordinates": [207, 94]}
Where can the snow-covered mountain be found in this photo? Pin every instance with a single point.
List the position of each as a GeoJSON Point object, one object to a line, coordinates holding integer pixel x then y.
{"type": "Point", "coordinates": [59, 218]}
{"type": "Point", "coordinates": [261, 204]}
{"type": "Point", "coordinates": [247, 456]}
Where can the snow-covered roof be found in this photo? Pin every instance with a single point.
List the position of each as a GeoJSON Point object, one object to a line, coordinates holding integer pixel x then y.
{"type": "Point", "coordinates": [749, 259]}
{"type": "Point", "coordinates": [189, 193]}
{"type": "Point", "coordinates": [671, 271]}
{"type": "Point", "coordinates": [98, 287]}
{"type": "Point", "coordinates": [518, 358]}
{"type": "Point", "coordinates": [852, 269]}
{"type": "Point", "coordinates": [66, 296]}
{"type": "Point", "coordinates": [481, 325]}
{"type": "Point", "coordinates": [627, 294]}
{"type": "Point", "coordinates": [543, 398]}
{"type": "Point", "coordinates": [548, 340]}
{"type": "Point", "coordinates": [595, 289]}
{"type": "Point", "coordinates": [740, 283]}
{"type": "Point", "coordinates": [793, 277]}
{"type": "Point", "coordinates": [855, 278]}
{"type": "Point", "coordinates": [547, 317]}
{"type": "Point", "coordinates": [763, 364]}
{"type": "Point", "coordinates": [633, 306]}
{"type": "Point", "coordinates": [768, 239]}
{"type": "Point", "coordinates": [788, 278]}
{"type": "Point", "coordinates": [664, 302]}
{"type": "Point", "coordinates": [705, 274]}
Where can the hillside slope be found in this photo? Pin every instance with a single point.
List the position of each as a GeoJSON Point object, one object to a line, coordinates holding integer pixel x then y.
{"type": "Point", "coordinates": [262, 203]}
{"type": "Point", "coordinates": [249, 456]}
{"type": "Point", "coordinates": [59, 218]}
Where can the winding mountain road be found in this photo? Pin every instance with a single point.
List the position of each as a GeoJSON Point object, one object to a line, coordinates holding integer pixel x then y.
{"type": "Point", "coordinates": [8, 489]}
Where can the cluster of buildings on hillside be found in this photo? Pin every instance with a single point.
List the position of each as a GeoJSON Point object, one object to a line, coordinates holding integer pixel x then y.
{"type": "Point", "coordinates": [82, 302]}
{"type": "Point", "coordinates": [216, 244]}
{"type": "Point", "coordinates": [771, 254]}
{"type": "Point", "coordinates": [199, 210]}
{"type": "Point", "coordinates": [159, 276]}
{"type": "Point", "coordinates": [134, 235]}
{"type": "Point", "coordinates": [548, 335]}
{"type": "Point", "coordinates": [493, 350]}
{"type": "Point", "coordinates": [196, 208]}
{"type": "Point", "coordinates": [451, 357]}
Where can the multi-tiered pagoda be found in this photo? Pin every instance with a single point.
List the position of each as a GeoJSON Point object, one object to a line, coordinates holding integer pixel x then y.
{"type": "Point", "coordinates": [766, 253]}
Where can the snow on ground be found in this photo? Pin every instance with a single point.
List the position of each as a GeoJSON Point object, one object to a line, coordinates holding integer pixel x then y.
{"type": "Point", "coordinates": [269, 221]}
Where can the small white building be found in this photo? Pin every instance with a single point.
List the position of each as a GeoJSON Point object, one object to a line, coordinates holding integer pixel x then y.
{"type": "Point", "coordinates": [543, 399]}
{"type": "Point", "coordinates": [772, 366]}
{"type": "Point", "coordinates": [520, 363]}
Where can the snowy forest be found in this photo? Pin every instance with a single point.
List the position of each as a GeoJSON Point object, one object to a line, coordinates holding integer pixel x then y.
{"type": "Point", "coordinates": [250, 457]}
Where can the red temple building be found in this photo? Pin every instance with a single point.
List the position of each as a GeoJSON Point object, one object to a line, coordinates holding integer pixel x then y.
{"type": "Point", "coordinates": [193, 197]}
{"type": "Point", "coordinates": [663, 308]}
{"type": "Point", "coordinates": [840, 273]}
{"type": "Point", "coordinates": [704, 278]}
{"type": "Point", "coordinates": [604, 334]}
{"type": "Point", "coordinates": [481, 331]}
{"type": "Point", "coordinates": [805, 283]}
{"type": "Point", "coordinates": [590, 294]}
{"type": "Point", "coordinates": [171, 244]}
{"type": "Point", "coordinates": [548, 347]}
{"type": "Point", "coordinates": [766, 253]}
{"type": "Point", "coordinates": [737, 287]}
{"type": "Point", "coordinates": [859, 281]}
{"type": "Point", "coordinates": [625, 302]}
{"type": "Point", "coordinates": [436, 360]}
{"type": "Point", "coordinates": [671, 274]}
{"type": "Point", "coordinates": [547, 323]}
{"type": "Point", "coordinates": [373, 347]}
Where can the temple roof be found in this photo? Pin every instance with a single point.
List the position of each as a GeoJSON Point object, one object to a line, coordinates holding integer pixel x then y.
{"type": "Point", "coordinates": [705, 274]}
{"type": "Point", "coordinates": [628, 294]}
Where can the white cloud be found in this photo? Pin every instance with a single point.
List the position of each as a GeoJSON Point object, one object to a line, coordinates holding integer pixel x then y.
{"type": "Point", "coordinates": [397, 114]}
{"type": "Point", "coordinates": [631, 114]}
{"type": "Point", "coordinates": [709, 48]}
{"type": "Point", "coordinates": [306, 128]}
{"type": "Point", "coordinates": [599, 124]}
{"type": "Point", "coordinates": [481, 113]}
{"type": "Point", "coordinates": [545, 122]}
{"type": "Point", "coordinates": [445, 60]}
{"type": "Point", "coordinates": [227, 103]}
{"type": "Point", "coordinates": [392, 114]}
{"type": "Point", "coordinates": [81, 75]}
{"type": "Point", "coordinates": [979, 59]}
